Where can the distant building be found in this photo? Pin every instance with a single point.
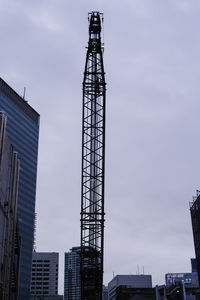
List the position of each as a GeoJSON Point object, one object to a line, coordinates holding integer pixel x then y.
{"type": "Point", "coordinates": [130, 293]}
{"type": "Point", "coordinates": [9, 239]}
{"type": "Point", "coordinates": [23, 131]}
{"type": "Point", "coordinates": [182, 285]}
{"type": "Point", "coordinates": [193, 265]}
{"type": "Point", "coordinates": [44, 280]}
{"type": "Point", "coordinates": [72, 283]}
{"type": "Point", "coordinates": [189, 279]}
{"type": "Point", "coordinates": [128, 281]}
{"type": "Point", "coordinates": [105, 293]}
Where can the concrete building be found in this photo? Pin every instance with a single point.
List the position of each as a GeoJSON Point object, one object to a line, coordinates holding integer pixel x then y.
{"type": "Point", "coordinates": [23, 131]}
{"type": "Point", "coordinates": [44, 280]}
{"type": "Point", "coordinates": [129, 293]}
{"type": "Point", "coordinates": [184, 284]}
{"type": "Point", "coordinates": [128, 281]}
{"type": "Point", "coordinates": [72, 283]}
{"type": "Point", "coordinates": [9, 252]}
{"type": "Point", "coordinates": [189, 279]}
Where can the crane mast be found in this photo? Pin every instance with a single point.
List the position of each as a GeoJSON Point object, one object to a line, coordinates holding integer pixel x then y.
{"type": "Point", "coordinates": [93, 161]}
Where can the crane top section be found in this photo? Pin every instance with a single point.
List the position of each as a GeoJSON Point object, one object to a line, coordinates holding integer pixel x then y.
{"type": "Point", "coordinates": [95, 19]}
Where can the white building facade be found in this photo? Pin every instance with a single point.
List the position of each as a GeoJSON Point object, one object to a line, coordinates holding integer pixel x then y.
{"type": "Point", "coordinates": [44, 279]}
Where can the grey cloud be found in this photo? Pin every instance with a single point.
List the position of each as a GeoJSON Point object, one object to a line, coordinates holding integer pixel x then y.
{"type": "Point", "coordinates": [152, 147]}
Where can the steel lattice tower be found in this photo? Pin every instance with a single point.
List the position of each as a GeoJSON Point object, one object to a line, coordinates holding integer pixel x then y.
{"type": "Point", "coordinates": [93, 161]}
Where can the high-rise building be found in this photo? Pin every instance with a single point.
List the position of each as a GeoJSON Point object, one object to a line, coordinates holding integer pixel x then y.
{"type": "Point", "coordinates": [23, 131]}
{"type": "Point", "coordinates": [195, 216]}
{"type": "Point", "coordinates": [44, 274]}
{"type": "Point", "coordinates": [72, 284]}
{"type": "Point", "coordinates": [131, 281]}
{"type": "Point", "coordinates": [9, 179]}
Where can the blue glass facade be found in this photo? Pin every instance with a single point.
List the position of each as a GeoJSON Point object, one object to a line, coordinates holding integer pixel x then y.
{"type": "Point", "coordinates": [23, 131]}
{"type": "Point", "coordinates": [194, 265]}
{"type": "Point", "coordinates": [72, 283]}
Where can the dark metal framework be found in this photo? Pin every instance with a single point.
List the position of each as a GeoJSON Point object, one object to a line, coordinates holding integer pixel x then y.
{"type": "Point", "coordinates": [93, 161]}
{"type": "Point", "coordinates": [195, 216]}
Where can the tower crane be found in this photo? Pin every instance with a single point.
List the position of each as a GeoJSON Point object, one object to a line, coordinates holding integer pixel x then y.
{"type": "Point", "coordinates": [93, 164]}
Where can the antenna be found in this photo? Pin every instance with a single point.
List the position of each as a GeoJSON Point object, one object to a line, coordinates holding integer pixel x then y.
{"type": "Point", "coordinates": [138, 271]}
{"type": "Point", "coordinates": [24, 93]}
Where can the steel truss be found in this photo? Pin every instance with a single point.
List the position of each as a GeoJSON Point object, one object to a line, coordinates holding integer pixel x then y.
{"type": "Point", "coordinates": [93, 160]}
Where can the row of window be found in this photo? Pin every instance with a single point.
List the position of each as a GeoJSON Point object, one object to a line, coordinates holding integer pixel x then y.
{"type": "Point", "coordinates": [40, 274]}
{"type": "Point", "coordinates": [40, 283]}
{"type": "Point", "coordinates": [40, 278]}
{"type": "Point", "coordinates": [40, 265]}
{"type": "Point", "coordinates": [40, 287]}
{"type": "Point", "coordinates": [39, 260]}
{"type": "Point", "coordinates": [45, 269]}
{"type": "Point", "coordinates": [39, 293]}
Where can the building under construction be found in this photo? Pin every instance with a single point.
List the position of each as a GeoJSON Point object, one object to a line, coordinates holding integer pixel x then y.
{"type": "Point", "coordinates": [93, 161]}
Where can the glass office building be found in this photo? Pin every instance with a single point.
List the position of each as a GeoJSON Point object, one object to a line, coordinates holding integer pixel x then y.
{"type": "Point", "coordinates": [23, 131]}
{"type": "Point", "coordinates": [72, 283]}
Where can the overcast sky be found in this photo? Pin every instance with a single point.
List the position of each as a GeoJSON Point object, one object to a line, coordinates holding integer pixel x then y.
{"type": "Point", "coordinates": [152, 64]}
